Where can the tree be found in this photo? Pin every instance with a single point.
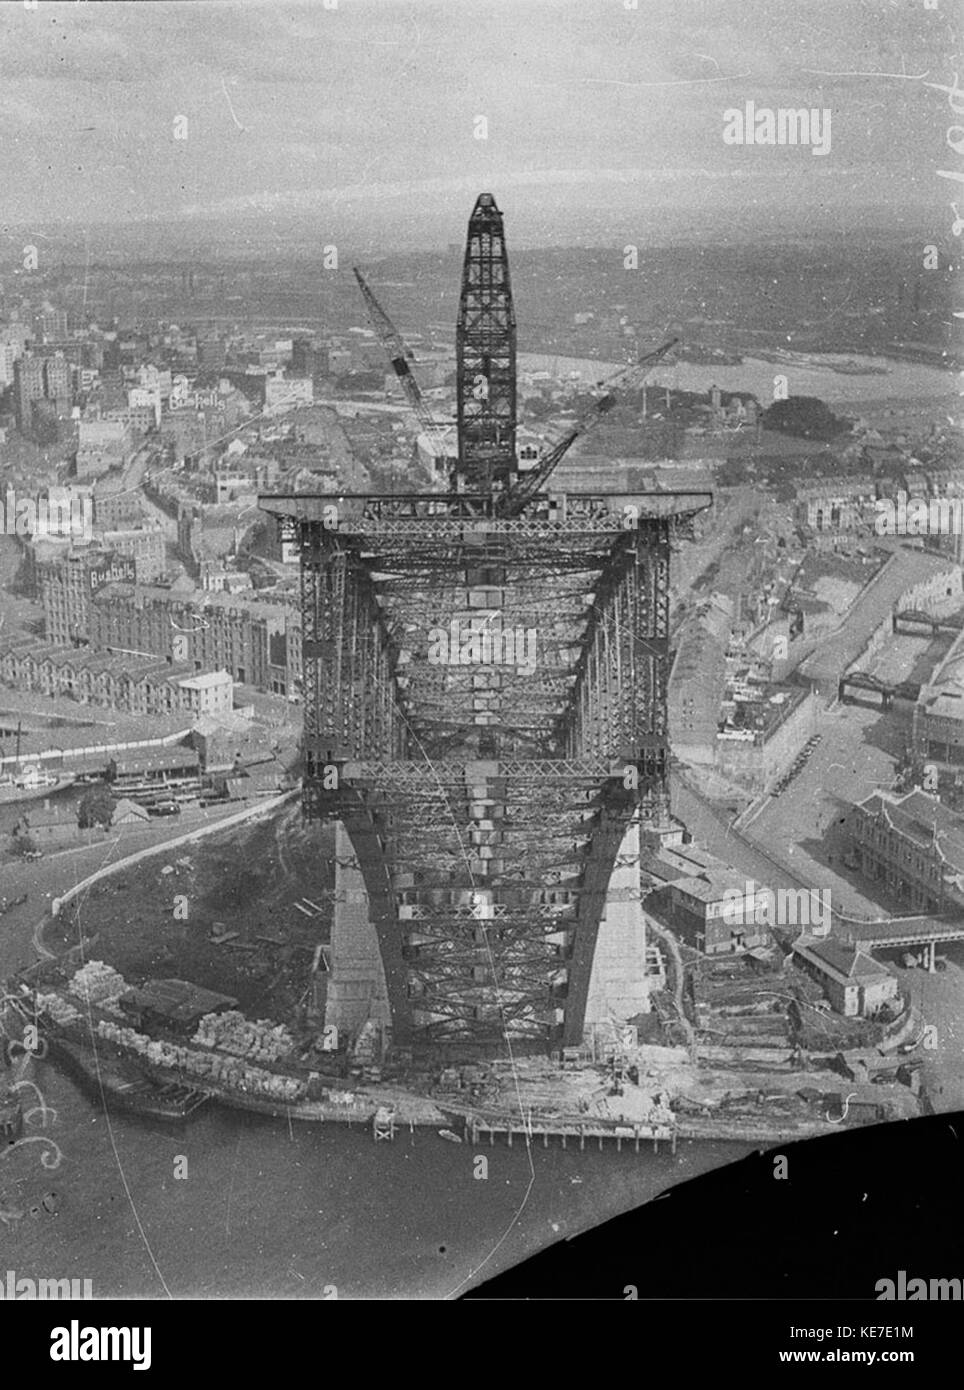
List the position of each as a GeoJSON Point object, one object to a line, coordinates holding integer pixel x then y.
{"type": "Point", "coordinates": [803, 416]}
{"type": "Point", "coordinates": [96, 808]}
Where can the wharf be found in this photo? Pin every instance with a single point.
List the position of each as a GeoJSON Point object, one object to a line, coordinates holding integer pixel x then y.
{"type": "Point", "coordinates": [406, 1109]}
{"type": "Point", "coordinates": [752, 1131]}
{"type": "Point", "coordinates": [572, 1107]}
{"type": "Point", "coordinates": [108, 1068]}
{"type": "Point", "coordinates": [477, 1127]}
{"type": "Point", "coordinates": [743, 1130]}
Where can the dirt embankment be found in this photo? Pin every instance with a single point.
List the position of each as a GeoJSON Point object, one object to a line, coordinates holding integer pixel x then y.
{"type": "Point", "coordinates": [158, 918]}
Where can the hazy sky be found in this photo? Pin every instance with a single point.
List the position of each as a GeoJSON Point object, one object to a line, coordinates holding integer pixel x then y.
{"type": "Point", "coordinates": [366, 112]}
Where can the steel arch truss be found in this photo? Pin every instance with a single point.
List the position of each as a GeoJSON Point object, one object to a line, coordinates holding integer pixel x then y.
{"type": "Point", "coordinates": [486, 800]}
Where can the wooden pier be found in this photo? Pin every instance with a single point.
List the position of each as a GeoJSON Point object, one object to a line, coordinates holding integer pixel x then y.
{"type": "Point", "coordinates": [477, 1128]}
{"type": "Point", "coordinates": [383, 1124]}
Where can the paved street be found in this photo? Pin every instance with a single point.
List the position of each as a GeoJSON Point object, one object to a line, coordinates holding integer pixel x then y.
{"type": "Point", "coordinates": [801, 826]}
{"type": "Point", "coordinates": [710, 830]}
{"type": "Point", "coordinates": [858, 753]}
{"type": "Point", "coordinates": [939, 1000]}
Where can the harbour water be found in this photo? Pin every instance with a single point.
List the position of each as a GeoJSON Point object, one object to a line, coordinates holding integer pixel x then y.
{"type": "Point", "coordinates": [279, 1210]}
{"type": "Point", "coordinates": [815, 377]}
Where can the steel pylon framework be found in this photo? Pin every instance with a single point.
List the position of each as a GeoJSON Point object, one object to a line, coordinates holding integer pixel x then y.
{"type": "Point", "coordinates": [485, 708]}
{"type": "Point", "coordinates": [485, 355]}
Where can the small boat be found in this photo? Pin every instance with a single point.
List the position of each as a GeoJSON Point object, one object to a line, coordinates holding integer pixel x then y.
{"type": "Point", "coordinates": [450, 1135]}
{"type": "Point", "coordinates": [28, 788]}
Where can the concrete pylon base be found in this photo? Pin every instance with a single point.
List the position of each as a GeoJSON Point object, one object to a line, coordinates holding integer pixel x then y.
{"type": "Point", "coordinates": [619, 987]}
{"type": "Point", "coordinates": [356, 985]}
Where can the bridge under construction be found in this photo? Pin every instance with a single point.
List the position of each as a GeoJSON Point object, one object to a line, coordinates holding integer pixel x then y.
{"type": "Point", "coordinates": [485, 672]}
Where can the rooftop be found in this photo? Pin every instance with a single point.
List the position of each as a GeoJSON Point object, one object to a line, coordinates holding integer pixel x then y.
{"type": "Point", "coordinates": [177, 1000]}
{"type": "Point", "coordinates": [710, 886]}
{"type": "Point", "coordinates": [206, 681]}
{"type": "Point", "coordinates": [844, 963]}
{"type": "Point", "coordinates": [923, 819]}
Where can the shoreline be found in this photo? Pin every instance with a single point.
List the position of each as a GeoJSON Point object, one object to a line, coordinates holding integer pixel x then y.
{"type": "Point", "coordinates": [105, 1064]}
{"type": "Point", "coordinates": [107, 1072]}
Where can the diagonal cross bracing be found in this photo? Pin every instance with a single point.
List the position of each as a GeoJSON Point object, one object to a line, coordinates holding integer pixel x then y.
{"type": "Point", "coordinates": [485, 354]}
{"type": "Point", "coordinates": [486, 798]}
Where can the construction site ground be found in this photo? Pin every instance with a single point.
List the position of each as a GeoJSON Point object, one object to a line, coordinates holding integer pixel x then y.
{"type": "Point", "coordinates": [229, 913]}
{"type": "Point", "coordinates": [761, 1094]}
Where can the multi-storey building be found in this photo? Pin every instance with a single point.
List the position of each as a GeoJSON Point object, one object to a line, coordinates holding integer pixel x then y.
{"type": "Point", "coordinates": [145, 546]}
{"type": "Point", "coordinates": [138, 418]}
{"type": "Point", "coordinates": [115, 506]}
{"type": "Point", "coordinates": [293, 664]}
{"type": "Point", "coordinates": [51, 324]}
{"type": "Point", "coordinates": [306, 359]}
{"type": "Point", "coordinates": [938, 728]}
{"type": "Point", "coordinates": [837, 505]}
{"type": "Point", "coordinates": [41, 384]}
{"type": "Point", "coordinates": [210, 350]}
{"type": "Point", "coordinates": [67, 586]}
{"type": "Point", "coordinates": [135, 685]}
{"type": "Point", "coordinates": [57, 383]}
{"type": "Point", "coordinates": [8, 357]}
{"type": "Point", "coordinates": [19, 334]}
{"type": "Point", "coordinates": [28, 389]}
{"type": "Point", "coordinates": [211, 631]}
{"type": "Point", "coordinates": [914, 844]}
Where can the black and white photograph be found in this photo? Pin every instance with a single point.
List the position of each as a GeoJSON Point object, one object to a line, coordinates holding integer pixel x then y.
{"type": "Point", "coordinates": [482, 664]}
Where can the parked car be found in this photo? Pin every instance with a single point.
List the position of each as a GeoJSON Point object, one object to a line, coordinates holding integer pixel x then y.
{"type": "Point", "coordinates": [164, 808]}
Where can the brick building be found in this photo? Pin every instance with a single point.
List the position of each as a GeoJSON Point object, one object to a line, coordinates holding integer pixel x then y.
{"type": "Point", "coordinates": [938, 729]}
{"type": "Point", "coordinates": [132, 684]}
{"type": "Point", "coordinates": [855, 983]}
{"type": "Point", "coordinates": [914, 844]}
{"type": "Point", "coordinates": [115, 505]}
{"type": "Point", "coordinates": [211, 632]}
{"type": "Point", "coordinates": [67, 585]}
{"type": "Point", "coordinates": [145, 546]}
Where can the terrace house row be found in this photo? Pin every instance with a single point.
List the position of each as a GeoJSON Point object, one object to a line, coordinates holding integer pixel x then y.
{"type": "Point", "coordinates": [134, 685]}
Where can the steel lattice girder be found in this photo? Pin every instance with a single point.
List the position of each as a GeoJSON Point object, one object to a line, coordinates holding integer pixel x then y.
{"type": "Point", "coordinates": [427, 813]}
{"type": "Point", "coordinates": [485, 353]}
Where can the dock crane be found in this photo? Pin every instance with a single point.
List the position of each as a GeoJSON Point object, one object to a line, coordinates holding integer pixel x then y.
{"type": "Point", "coordinates": [400, 355]}
{"type": "Point", "coordinates": [513, 501]}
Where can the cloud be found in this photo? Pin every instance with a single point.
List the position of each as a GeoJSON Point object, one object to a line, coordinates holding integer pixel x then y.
{"type": "Point", "coordinates": [377, 99]}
